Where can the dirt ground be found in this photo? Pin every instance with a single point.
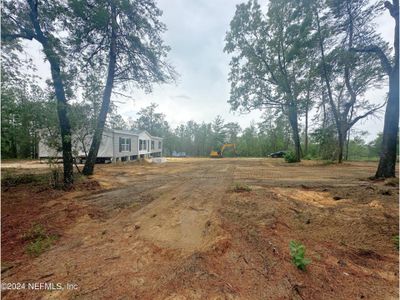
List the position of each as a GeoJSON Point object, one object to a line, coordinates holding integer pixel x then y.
{"type": "Point", "coordinates": [179, 230]}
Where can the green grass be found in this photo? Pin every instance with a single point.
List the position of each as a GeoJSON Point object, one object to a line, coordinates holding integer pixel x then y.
{"type": "Point", "coordinates": [10, 179]}
{"type": "Point", "coordinates": [38, 246]}
{"type": "Point", "coordinates": [328, 162]}
{"type": "Point", "coordinates": [395, 240]}
{"type": "Point", "coordinates": [39, 240]}
{"type": "Point", "coordinates": [53, 178]}
{"type": "Point", "coordinates": [366, 159]}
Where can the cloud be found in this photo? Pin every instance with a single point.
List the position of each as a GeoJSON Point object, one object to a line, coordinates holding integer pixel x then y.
{"type": "Point", "coordinates": [181, 96]}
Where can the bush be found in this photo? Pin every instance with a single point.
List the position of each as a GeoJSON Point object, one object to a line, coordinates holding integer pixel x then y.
{"type": "Point", "coordinates": [56, 174]}
{"type": "Point", "coordinates": [308, 157]}
{"type": "Point", "coordinates": [38, 246]}
{"type": "Point", "coordinates": [37, 231]}
{"type": "Point", "coordinates": [396, 241]}
{"type": "Point", "coordinates": [10, 179]}
{"type": "Point", "coordinates": [40, 241]}
{"type": "Point", "coordinates": [297, 252]}
{"type": "Point", "coordinates": [290, 157]}
{"type": "Point", "coordinates": [241, 187]}
{"type": "Point", "coordinates": [328, 162]}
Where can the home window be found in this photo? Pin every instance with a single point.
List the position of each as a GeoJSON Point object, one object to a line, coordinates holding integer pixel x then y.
{"type": "Point", "coordinates": [152, 145]}
{"type": "Point", "coordinates": [124, 144]}
{"type": "Point", "coordinates": [159, 145]}
{"type": "Point", "coordinates": [140, 144]}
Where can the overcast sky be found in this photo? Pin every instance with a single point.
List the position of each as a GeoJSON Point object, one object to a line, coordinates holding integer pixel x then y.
{"type": "Point", "coordinates": [196, 32]}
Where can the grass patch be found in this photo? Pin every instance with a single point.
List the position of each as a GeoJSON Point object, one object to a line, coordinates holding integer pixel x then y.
{"type": "Point", "coordinates": [241, 187]}
{"type": "Point", "coordinates": [38, 246]}
{"type": "Point", "coordinates": [40, 240]}
{"type": "Point", "coordinates": [10, 179]}
{"type": "Point", "coordinates": [327, 162]}
{"type": "Point", "coordinates": [395, 240]}
{"type": "Point", "coordinates": [366, 159]}
{"type": "Point", "coordinates": [309, 157]}
{"type": "Point", "coordinates": [53, 179]}
{"type": "Point", "coordinates": [392, 182]}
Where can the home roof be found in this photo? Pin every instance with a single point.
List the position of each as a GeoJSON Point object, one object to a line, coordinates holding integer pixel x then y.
{"type": "Point", "coordinates": [134, 132]}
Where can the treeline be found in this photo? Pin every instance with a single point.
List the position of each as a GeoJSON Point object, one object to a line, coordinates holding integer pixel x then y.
{"type": "Point", "coordinates": [260, 139]}
{"type": "Point", "coordinates": [29, 114]}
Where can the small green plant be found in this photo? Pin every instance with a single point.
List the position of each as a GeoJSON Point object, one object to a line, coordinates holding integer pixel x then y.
{"type": "Point", "coordinates": [392, 182]}
{"type": "Point", "coordinates": [396, 241]}
{"type": "Point", "coordinates": [308, 157]}
{"type": "Point", "coordinates": [55, 178]}
{"type": "Point", "coordinates": [290, 157]}
{"type": "Point", "coordinates": [39, 239]}
{"type": "Point", "coordinates": [37, 231]}
{"type": "Point", "coordinates": [241, 187]}
{"type": "Point", "coordinates": [38, 246]}
{"type": "Point", "coordinates": [297, 252]}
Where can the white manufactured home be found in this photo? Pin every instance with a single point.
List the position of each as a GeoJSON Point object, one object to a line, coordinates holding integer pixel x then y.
{"type": "Point", "coordinates": [116, 145]}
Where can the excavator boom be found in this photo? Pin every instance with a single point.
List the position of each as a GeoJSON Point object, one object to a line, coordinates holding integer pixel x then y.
{"type": "Point", "coordinates": [219, 154]}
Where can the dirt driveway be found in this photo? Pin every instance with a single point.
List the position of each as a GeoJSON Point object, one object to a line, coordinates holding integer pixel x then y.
{"type": "Point", "coordinates": [180, 231]}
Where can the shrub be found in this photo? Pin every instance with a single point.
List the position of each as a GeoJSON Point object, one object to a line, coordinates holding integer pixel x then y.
{"type": "Point", "coordinates": [37, 231]}
{"type": "Point", "coordinates": [290, 157]}
{"type": "Point", "coordinates": [297, 252]}
{"type": "Point", "coordinates": [392, 182]}
{"type": "Point", "coordinates": [241, 187]}
{"type": "Point", "coordinates": [396, 241]}
{"type": "Point", "coordinates": [56, 174]}
{"type": "Point", "coordinates": [38, 246]}
{"type": "Point", "coordinates": [327, 162]}
{"type": "Point", "coordinates": [10, 179]}
{"type": "Point", "coordinates": [308, 157]}
{"type": "Point", "coordinates": [40, 241]}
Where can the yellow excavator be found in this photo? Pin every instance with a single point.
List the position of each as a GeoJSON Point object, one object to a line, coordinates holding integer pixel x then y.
{"type": "Point", "coordinates": [219, 154]}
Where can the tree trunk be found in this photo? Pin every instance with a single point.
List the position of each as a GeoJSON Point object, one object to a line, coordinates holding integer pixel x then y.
{"type": "Point", "coordinates": [306, 129]}
{"type": "Point", "coordinates": [325, 76]}
{"type": "Point", "coordinates": [292, 114]}
{"type": "Point", "coordinates": [105, 106]}
{"type": "Point", "coordinates": [346, 157]}
{"type": "Point", "coordinates": [388, 155]}
{"type": "Point", "coordinates": [341, 140]}
{"type": "Point", "coordinates": [58, 85]}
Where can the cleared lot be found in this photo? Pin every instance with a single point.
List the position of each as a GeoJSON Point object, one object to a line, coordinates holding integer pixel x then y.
{"type": "Point", "coordinates": [180, 231]}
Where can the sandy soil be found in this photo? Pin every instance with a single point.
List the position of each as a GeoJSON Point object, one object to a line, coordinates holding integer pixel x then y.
{"type": "Point", "coordinates": [179, 231]}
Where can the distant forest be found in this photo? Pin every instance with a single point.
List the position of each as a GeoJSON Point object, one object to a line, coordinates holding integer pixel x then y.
{"type": "Point", "coordinates": [24, 122]}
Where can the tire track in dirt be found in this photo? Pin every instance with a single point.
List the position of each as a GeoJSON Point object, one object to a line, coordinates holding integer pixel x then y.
{"type": "Point", "coordinates": [186, 215]}
{"type": "Point", "coordinates": [180, 220]}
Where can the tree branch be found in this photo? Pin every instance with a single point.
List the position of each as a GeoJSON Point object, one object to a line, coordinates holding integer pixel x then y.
{"type": "Point", "coordinates": [393, 8]}
{"type": "Point", "coordinates": [372, 111]}
{"type": "Point", "coordinates": [14, 36]}
{"type": "Point", "coordinates": [378, 51]}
